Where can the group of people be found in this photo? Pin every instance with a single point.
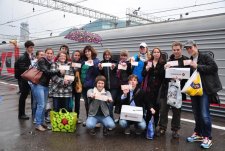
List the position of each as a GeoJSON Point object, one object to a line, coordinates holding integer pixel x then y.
{"type": "Point", "coordinates": [101, 85]}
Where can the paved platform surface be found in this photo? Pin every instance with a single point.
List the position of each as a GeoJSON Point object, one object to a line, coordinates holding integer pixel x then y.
{"type": "Point", "coordinates": [18, 135]}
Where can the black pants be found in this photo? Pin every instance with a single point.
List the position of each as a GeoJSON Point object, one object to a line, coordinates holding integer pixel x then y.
{"type": "Point", "coordinates": [156, 115]}
{"type": "Point", "coordinates": [25, 90]}
{"type": "Point", "coordinates": [77, 103]}
{"type": "Point", "coordinates": [164, 109]}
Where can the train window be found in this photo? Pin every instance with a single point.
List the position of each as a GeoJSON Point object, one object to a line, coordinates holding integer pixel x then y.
{"type": "Point", "coordinates": [116, 57]}
{"type": "Point", "coordinates": [8, 62]}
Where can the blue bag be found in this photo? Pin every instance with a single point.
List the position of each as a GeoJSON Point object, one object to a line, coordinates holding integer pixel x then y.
{"type": "Point", "coordinates": [150, 130]}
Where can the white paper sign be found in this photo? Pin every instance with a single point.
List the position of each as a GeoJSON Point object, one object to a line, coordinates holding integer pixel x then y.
{"type": "Point", "coordinates": [131, 113]}
{"type": "Point", "coordinates": [121, 67]}
{"type": "Point", "coordinates": [180, 73]}
{"type": "Point", "coordinates": [76, 65]}
{"type": "Point", "coordinates": [126, 87]}
{"type": "Point", "coordinates": [172, 63]}
{"type": "Point", "coordinates": [101, 97]}
{"type": "Point", "coordinates": [69, 77]}
{"type": "Point", "coordinates": [64, 67]}
{"type": "Point", "coordinates": [106, 64]}
{"type": "Point", "coordinates": [187, 62]}
{"type": "Point", "coordinates": [149, 64]}
{"type": "Point", "coordinates": [89, 63]}
{"type": "Point", "coordinates": [134, 63]}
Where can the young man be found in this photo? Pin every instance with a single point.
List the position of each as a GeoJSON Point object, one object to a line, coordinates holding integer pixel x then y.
{"type": "Point", "coordinates": [164, 108]}
{"type": "Point", "coordinates": [134, 97]}
{"type": "Point", "coordinates": [23, 63]}
{"type": "Point", "coordinates": [211, 84]}
{"type": "Point", "coordinates": [98, 107]}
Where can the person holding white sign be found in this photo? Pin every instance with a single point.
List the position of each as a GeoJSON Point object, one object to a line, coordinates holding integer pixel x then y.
{"type": "Point", "coordinates": [108, 68]}
{"type": "Point", "coordinates": [98, 107]}
{"type": "Point", "coordinates": [176, 60]}
{"type": "Point", "coordinates": [89, 71]}
{"type": "Point", "coordinates": [138, 60]}
{"type": "Point", "coordinates": [61, 87]}
{"type": "Point", "coordinates": [153, 73]}
{"type": "Point", "coordinates": [133, 97]}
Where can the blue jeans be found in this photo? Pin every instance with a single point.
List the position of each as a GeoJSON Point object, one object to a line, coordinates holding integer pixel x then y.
{"type": "Point", "coordinates": [61, 102]}
{"type": "Point", "coordinates": [140, 125]}
{"type": "Point", "coordinates": [41, 97]}
{"type": "Point", "coordinates": [200, 107]}
{"type": "Point", "coordinates": [106, 121]}
{"type": "Point", "coordinates": [33, 102]}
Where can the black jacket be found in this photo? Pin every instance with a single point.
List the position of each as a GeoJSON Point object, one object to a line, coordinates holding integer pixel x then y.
{"type": "Point", "coordinates": [22, 64]}
{"type": "Point", "coordinates": [110, 75]}
{"type": "Point", "coordinates": [44, 65]}
{"type": "Point", "coordinates": [139, 99]}
{"type": "Point", "coordinates": [208, 70]}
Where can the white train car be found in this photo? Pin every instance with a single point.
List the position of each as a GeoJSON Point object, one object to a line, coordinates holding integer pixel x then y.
{"type": "Point", "coordinates": [208, 32]}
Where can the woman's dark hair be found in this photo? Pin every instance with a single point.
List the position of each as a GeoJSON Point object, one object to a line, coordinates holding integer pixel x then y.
{"type": "Point", "coordinates": [100, 78]}
{"type": "Point", "coordinates": [107, 51]}
{"type": "Point", "coordinates": [39, 51]}
{"type": "Point", "coordinates": [67, 48]}
{"type": "Point", "coordinates": [72, 57]}
{"type": "Point", "coordinates": [160, 58]}
{"type": "Point", "coordinates": [49, 49]}
{"type": "Point", "coordinates": [28, 44]}
{"type": "Point", "coordinates": [93, 52]}
{"type": "Point", "coordinates": [61, 52]}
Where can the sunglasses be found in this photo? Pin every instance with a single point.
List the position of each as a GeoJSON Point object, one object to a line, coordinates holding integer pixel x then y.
{"type": "Point", "coordinates": [142, 47]}
{"type": "Point", "coordinates": [188, 47]}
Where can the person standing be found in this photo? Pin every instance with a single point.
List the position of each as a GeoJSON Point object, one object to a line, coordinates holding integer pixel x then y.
{"type": "Point", "coordinates": [153, 73]}
{"type": "Point", "coordinates": [89, 71]}
{"type": "Point", "coordinates": [164, 107]}
{"type": "Point", "coordinates": [40, 90]}
{"type": "Point", "coordinates": [141, 57]}
{"type": "Point", "coordinates": [23, 63]}
{"type": "Point", "coordinates": [211, 84]}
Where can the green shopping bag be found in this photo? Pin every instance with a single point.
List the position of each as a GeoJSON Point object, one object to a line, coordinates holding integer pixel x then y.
{"type": "Point", "coordinates": [63, 122]}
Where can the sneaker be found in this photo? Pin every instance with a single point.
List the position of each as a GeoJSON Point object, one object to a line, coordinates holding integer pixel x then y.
{"type": "Point", "coordinates": [84, 124]}
{"type": "Point", "coordinates": [160, 132]}
{"type": "Point", "coordinates": [206, 143]}
{"type": "Point", "coordinates": [40, 128]}
{"type": "Point", "coordinates": [92, 132]}
{"type": "Point", "coordinates": [34, 121]}
{"type": "Point", "coordinates": [175, 134]}
{"type": "Point", "coordinates": [195, 138]}
{"type": "Point", "coordinates": [47, 119]}
{"type": "Point", "coordinates": [79, 121]}
{"type": "Point", "coordinates": [105, 131]}
{"type": "Point", "coordinates": [48, 127]}
{"type": "Point", "coordinates": [127, 131]}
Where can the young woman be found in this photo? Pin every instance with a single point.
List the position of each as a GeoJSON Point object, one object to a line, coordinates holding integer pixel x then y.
{"type": "Point", "coordinates": [41, 89]}
{"type": "Point", "coordinates": [76, 58]}
{"type": "Point", "coordinates": [141, 57]}
{"type": "Point", "coordinates": [110, 73]}
{"type": "Point", "coordinates": [61, 87]}
{"type": "Point", "coordinates": [153, 73]}
{"type": "Point", "coordinates": [98, 107]}
{"type": "Point", "coordinates": [89, 71]}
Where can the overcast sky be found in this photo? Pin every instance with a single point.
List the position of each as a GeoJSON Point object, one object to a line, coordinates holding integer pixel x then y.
{"type": "Point", "coordinates": [53, 21]}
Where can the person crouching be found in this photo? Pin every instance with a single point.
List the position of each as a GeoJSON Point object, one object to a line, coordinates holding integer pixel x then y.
{"type": "Point", "coordinates": [98, 99]}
